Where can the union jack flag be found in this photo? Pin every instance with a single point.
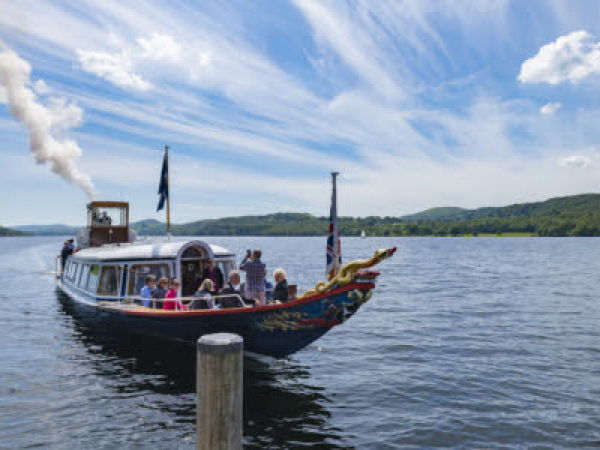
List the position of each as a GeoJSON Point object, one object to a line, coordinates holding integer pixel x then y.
{"type": "Point", "coordinates": [334, 249]}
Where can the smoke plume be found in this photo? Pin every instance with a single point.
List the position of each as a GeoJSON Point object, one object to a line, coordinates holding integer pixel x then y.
{"type": "Point", "coordinates": [45, 123]}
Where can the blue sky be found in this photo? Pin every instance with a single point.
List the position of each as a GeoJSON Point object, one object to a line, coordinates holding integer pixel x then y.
{"type": "Point", "coordinates": [417, 104]}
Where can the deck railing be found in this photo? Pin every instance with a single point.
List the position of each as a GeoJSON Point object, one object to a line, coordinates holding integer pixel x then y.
{"type": "Point", "coordinates": [135, 302]}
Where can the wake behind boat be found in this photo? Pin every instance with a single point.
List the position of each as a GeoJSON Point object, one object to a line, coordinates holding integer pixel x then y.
{"type": "Point", "coordinates": [105, 281]}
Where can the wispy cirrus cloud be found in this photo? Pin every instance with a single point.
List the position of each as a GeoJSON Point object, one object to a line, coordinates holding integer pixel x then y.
{"type": "Point", "coordinates": [418, 94]}
{"type": "Point", "coordinates": [117, 68]}
{"type": "Point", "coordinates": [333, 26]}
{"type": "Point", "coordinates": [160, 47]}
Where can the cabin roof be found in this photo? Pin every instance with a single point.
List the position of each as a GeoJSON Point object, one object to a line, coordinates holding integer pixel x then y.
{"type": "Point", "coordinates": [101, 204]}
{"type": "Point", "coordinates": [143, 251]}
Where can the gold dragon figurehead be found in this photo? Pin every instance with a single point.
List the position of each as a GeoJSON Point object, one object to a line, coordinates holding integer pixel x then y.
{"type": "Point", "coordinates": [349, 271]}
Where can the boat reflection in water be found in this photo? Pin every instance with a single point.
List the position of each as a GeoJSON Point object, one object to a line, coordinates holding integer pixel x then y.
{"type": "Point", "coordinates": [281, 410]}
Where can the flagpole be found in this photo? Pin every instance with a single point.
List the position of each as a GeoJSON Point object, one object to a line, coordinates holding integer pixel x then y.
{"type": "Point", "coordinates": [336, 265]}
{"type": "Point", "coordinates": [335, 236]}
{"type": "Point", "coordinates": [168, 195]}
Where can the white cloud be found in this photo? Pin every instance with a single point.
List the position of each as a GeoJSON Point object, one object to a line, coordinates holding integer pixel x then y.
{"type": "Point", "coordinates": [227, 95]}
{"type": "Point", "coordinates": [571, 58]}
{"type": "Point", "coordinates": [160, 47]}
{"type": "Point", "coordinates": [40, 87]}
{"type": "Point", "coordinates": [114, 67]}
{"type": "Point", "coordinates": [575, 161]}
{"type": "Point", "coordinates": [550, 108]}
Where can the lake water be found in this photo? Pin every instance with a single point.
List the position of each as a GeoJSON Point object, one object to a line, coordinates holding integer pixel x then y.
{"type": "Point", "coordinates": [467, 343]}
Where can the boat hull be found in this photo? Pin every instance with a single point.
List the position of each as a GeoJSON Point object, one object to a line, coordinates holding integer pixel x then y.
{"type": "Point", "coordinates": [277, 330]}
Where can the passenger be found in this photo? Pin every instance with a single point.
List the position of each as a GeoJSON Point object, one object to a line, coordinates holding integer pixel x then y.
{"type": "Point", "coordinates": [204, 298]}
{"type": "Point", "coordinates": [214, 274]}
{"type": "Point", "coordinates": [281, 288]}
{"type": "Point", "coordinates": [172, 294]}
{"type": "Point", "coordinates": [148, 290]}
{"type": "Point", "coordinates": [255, 276]}
{"type": "Point", "coordinates": [72, 244]}
{"type": "Point", "coordinates": [160, 292]}
{"type": "Point", "coordinates": [234, 288]}
{"type": "Point", "coordinates": [64, 254]}
{"type": "Point", "coordinates": [105, 219]}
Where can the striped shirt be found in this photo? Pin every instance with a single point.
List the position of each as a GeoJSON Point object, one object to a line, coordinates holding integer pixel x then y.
{"type": "Point", "coordinates": [255, 274]}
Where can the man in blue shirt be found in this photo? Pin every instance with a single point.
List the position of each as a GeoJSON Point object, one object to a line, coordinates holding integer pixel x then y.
{"type": "Point", "coordinates": [255, 276]}
{"type": "Point", "coordinates": [148, 289]}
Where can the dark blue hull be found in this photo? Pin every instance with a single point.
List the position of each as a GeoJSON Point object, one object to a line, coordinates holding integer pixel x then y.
{"type": "Point", "coordinates": [277, 330]}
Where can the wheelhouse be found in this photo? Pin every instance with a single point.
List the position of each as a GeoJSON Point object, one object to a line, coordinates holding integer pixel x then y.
{"type": "Point", "coordinates": [115, 272]}
{"type": "Point", "coordinates": [107, 223]}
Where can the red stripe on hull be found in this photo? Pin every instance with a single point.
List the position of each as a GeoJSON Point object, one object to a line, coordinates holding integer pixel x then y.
{"type": "Point", "coordinates": [349, 287]}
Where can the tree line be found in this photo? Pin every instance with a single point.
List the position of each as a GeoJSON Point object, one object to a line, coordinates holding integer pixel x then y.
{"type": "Point", "coordinates": [293, 224]}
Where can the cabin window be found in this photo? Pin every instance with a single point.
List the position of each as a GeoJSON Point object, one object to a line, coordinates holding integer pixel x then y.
{"type": "Point", "coordinates": [76, 272]}
{"type": "Point", "coordinates": [138, 274]}
{"type": "Point", "coordinates": [92, 283]}
{"type": "Point", "coordinates": [73, 271]}
{"type": "Point", "coordinates": [191, 252]}
{"type": "Point", "coordinates": [68, 270]}
{"type": "Point", "coordinates": [109, 280]}
{"type": "Point", "coordinates": [109, 216]}
{"type": "Point", "coordinates": [85, 272]}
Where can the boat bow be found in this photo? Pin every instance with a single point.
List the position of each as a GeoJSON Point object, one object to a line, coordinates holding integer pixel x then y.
{"type": "Point", "coordinates": [353, 271]}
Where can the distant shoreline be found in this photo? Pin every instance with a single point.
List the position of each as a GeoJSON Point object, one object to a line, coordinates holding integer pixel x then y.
{"type": "Point", "coordinates": [577, 215]}
{"type": "Point", "coordinates": [480, 235]}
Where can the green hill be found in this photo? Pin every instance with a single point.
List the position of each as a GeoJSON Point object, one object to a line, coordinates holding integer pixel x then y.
{"type": "Point", "coordinates": [279, 224]}
{"type": "Point", "coordinates": [10, 232]}
{"type": "Point", "coordinates": [575, 204]}
{"type": "Point", "coordinates": [439, 213]}
{"type": "Point", "coordinates": [149, 227]}
{"type": "Point", "coordinates": [578, 215]}
{"type": "Point", "coordinates": [48, 230]}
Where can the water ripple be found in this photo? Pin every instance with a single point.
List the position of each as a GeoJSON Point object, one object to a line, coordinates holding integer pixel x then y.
{"type": "Point", "coordinates": [466, 343]}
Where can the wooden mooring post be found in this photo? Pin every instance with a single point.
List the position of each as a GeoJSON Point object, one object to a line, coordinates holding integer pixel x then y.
{"type": "Point", "coordinates": [219, 392]}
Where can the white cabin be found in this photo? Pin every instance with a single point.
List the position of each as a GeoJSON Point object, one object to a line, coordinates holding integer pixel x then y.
{"type": "Point", "coordinates": [113, 272]}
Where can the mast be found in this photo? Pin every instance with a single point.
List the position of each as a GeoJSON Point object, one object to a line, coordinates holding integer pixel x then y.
{"type": "Point", "coordinates": [334, 254]}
